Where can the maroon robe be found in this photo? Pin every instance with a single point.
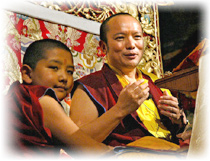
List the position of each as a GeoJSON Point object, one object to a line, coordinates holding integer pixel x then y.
{"type": "Point", "coordinates": [103, 88]}
{"type": "Point", "coordinates": [27, 133]}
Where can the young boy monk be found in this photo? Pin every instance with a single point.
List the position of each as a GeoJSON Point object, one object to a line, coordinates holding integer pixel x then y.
{"type": "Point", "coordinates": [38, 124]}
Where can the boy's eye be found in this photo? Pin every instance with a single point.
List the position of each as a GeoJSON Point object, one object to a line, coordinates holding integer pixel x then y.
{"type": "Point", "coordinates": [53, 67]}
{"type": "Point", "coordinates": [70, 72]}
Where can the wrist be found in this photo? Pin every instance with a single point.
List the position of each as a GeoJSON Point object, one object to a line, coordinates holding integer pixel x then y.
{"type": "Point", "coordinates": [184, 120]}
{"type": "Point", "coordinates": [183, 124]}
{"type": "Point", "coordinates": [118, 112]}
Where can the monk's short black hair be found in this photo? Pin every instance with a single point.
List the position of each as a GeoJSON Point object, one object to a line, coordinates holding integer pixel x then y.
{"type": "Point", "coordinates": [36, 50]}
{"type": "Point", "coordinates": [104, 26]}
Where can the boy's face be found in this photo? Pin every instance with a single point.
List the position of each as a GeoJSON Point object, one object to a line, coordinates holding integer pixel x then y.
{"type": "Point", "coordinates": [55, 71]}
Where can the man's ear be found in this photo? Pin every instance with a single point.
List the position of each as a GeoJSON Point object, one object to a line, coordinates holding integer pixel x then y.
{"type": "Point", "coordinates": [103, 46]}
{"type": "Point", "coordinates": [26, 72]}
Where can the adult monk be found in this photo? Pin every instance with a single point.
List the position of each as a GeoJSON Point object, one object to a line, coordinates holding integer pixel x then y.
{"type": "Point", "coordinates": [95, 106]}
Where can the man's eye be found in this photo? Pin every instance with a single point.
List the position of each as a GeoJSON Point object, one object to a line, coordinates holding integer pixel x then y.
{"type": "Point", "coordinates": [119, 38]}
{"type": "Point", "coordinates": [137, 36]}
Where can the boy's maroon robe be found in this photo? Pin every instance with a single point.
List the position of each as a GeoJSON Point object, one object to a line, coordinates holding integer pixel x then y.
{"type": "Point", "coordinates": [103, 88]}
{"type": "Point", "coordinates": [27, 133]}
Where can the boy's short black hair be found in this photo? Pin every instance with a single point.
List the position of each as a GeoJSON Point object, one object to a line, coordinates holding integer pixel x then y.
{"type": "Point", "coordinates": [36, 50]}
{"type": "Point", "coordinates": [104, 26]}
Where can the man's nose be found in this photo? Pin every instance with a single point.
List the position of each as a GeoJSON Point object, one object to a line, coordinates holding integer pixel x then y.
{"type": "Point", "coordinates": [130, 43]}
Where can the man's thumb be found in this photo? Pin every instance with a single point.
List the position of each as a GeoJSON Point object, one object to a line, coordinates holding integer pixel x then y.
{"type": "Point", "coordinates": [165, 93]}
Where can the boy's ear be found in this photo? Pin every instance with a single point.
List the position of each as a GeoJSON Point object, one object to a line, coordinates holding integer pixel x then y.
{"type": "Point", "coordinates": [26, 74]}
{"type": "Point", "coordinates": [103, 46]}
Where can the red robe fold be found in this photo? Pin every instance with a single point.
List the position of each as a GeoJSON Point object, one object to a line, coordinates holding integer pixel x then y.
{"type": "Point", "coordinates": [25, 116]}
{"type": "Point", "coordinates": [103, 88]}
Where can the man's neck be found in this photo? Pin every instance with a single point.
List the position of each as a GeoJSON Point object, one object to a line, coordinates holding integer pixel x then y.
{"type": "Point", "coordinates": [130, 75]}
{"type": "Point", "coordinates": [127, 73]}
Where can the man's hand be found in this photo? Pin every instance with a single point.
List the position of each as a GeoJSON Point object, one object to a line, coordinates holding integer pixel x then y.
{"type": "Point", "coordinates": [132, 96]}
{"type": "Point", "coordinates": [169, 106]}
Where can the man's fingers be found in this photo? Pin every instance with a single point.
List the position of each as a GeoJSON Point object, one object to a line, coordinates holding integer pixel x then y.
{"type": "Point", "coordinates": [135, 84]}
{"type": "Point", "coordinates": [170, 103]}
{"type": "Point", "coordinates": [170, 114]}
{"type": "Point", "coordinates": [164, 97]}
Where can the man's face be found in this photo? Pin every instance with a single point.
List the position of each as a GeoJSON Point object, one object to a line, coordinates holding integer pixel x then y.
{"type": "Point", "coordinates": [124, 42]}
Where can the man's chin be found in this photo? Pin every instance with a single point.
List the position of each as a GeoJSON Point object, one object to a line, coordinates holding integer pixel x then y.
{"type": "Point", "coordinates": [132, 65]}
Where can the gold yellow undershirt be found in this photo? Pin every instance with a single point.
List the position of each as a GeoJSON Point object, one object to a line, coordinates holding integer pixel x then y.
{"type": "Point", "coordinates": [147, 112]}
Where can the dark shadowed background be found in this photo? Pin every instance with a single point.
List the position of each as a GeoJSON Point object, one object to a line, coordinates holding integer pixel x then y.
{"type": "Point", "coordinates": [181, 29]}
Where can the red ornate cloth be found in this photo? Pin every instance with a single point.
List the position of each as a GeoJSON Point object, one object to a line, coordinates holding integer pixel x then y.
{"type": "Point", "coordinates": [193, 58]}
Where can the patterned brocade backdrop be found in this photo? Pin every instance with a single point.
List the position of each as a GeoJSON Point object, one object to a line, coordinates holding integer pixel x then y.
{"type": "Point", "coordinates": [23, 30]}
{"type": "Point", "coordinates": [146, 12]}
